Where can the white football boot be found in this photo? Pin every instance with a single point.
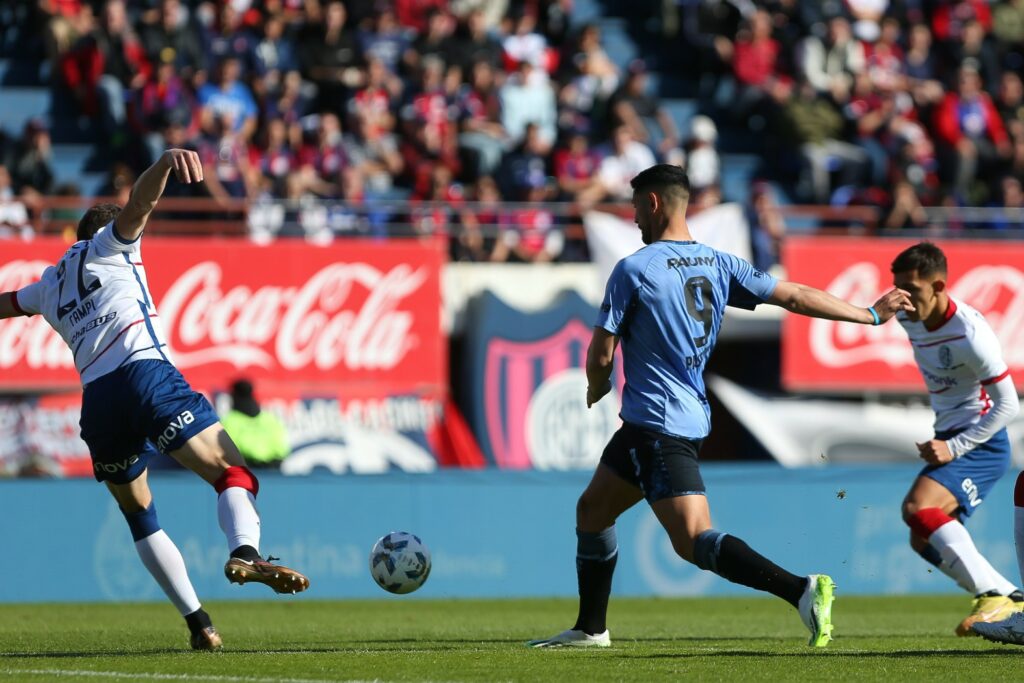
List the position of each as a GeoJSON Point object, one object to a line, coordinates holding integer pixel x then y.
{"type": "Point", "coordinates": [573, 638]}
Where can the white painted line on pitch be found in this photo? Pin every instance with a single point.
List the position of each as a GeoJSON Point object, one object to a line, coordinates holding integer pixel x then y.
{"type": "Point", "coordinates": [72, 673]}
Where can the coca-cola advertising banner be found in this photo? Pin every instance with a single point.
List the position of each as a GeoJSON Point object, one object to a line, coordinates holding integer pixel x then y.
{"type": "Point", "coordinates": [358, 316]}
{"type": "Point", "coordinates": [823, 355]}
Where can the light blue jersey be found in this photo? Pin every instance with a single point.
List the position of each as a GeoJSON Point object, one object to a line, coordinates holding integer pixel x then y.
{"type": "Point", "coordinates": [665, 302]}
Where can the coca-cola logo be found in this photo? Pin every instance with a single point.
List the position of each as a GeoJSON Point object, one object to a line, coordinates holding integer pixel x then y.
{"type": "Point", "coordinates": [350, 315]}
{"type": "Point", "coordinates": [347, 314]}
{"type": "Point", "coordinates": [997, 292]}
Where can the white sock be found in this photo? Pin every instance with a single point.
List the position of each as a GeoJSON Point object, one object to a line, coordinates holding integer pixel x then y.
{"type": "Point", "coordinates": [1003, 585]}
{"type": "Point", "coordinates": [164, 562]}
{"type": "Point", "coordinates": [965, 563]}
{"type": "Point", "coordinates": [236, 512]}
{"type": "Point", "coordinates": [957, 573]}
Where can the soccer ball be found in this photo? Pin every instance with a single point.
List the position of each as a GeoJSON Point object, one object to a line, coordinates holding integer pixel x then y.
{"type": "Point", "coordinates": [399, 562]}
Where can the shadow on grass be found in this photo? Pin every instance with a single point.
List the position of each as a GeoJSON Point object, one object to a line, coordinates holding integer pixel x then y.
{"type": "Point", "coordinates": [832, 654]}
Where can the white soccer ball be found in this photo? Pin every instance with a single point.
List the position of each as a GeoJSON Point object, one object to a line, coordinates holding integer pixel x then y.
{"type": "Point", "coordinates": [399, 562]}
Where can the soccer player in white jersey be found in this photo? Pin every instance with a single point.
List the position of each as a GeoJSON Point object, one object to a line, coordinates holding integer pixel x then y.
{"type": "Point", "coordinates": [135, 401]}
{"type": "Point", "coordinates": [665, 304]}
{"type": "Point", "coordinates": [973, 397]}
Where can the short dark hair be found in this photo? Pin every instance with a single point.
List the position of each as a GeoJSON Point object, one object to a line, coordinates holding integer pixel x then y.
{"type": "Point", "coordinates": [924, 257]}
{"type": "Point", "coordinates": [95, 218]}
{"type": "Point", "coordinates": [664, 177]}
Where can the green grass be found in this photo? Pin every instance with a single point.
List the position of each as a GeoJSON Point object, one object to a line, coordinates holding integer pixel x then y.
{"type": "Point", "coordinates": [877, 639]}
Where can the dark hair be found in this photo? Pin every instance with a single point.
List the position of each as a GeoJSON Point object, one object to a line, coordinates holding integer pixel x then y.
{"type": "Point", "coordinates": [663, 177]}
{"type": "Point", "coordinates": [95, 218]}
{"type": "Point", "coordinates": [924, 257]}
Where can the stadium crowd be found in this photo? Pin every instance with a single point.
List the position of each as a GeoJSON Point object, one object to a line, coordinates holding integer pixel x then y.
{"type": "Point", "coordinates": [893, 103]}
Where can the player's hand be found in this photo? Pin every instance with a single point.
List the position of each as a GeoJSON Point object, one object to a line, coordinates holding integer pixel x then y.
{"type": "Point", "coordinates": [891, 302]}
{"type": "Point", "coordinates": [595, 395]}
{"type": "Point", "coordinates": [185, 164]}
{"type": "Point", "coordinates": [934, 452]}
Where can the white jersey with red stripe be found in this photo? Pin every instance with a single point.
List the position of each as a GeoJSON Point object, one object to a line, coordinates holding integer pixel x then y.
{"type": "Point", "coordinates": [957, 359]}
{"type": "Point", "coordinates": [98, 300]}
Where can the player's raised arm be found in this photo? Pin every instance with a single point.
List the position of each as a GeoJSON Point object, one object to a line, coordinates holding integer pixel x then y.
{"type": "Point", "coordinates": [150, 186]}
{"type": "Point", "coordinates": [806, 300]}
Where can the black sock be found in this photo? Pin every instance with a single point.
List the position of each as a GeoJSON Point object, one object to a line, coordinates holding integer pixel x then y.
{"type": "Point", "coordinates": [198, 620]}
{"type": "Point", "coordinates": [246, 552]}
{"type": "Point", "coordinates": [595, 582]}
{"type": "Point", "coordinates": [738, 563]}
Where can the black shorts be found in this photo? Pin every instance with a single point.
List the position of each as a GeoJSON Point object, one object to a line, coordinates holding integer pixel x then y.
{"type": "Point", "coordinates": [662, 466]}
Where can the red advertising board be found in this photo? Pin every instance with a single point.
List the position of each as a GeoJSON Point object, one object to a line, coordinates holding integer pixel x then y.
{"type": "Point", "coordinates": [823, 355]}
{"type": "Point", "coordinates": [361, 317]}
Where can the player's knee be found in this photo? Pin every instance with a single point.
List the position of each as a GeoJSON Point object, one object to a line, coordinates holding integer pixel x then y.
{"type": "Point", "coordinates": [142, 522]}
{"type": "Point", "coordinates": [235, 476]}
{"type": "Point", "coordinates": [924, 521]}
{"type": "Point", "coordinates": [683, 544]}
{"type": "Point", "coordinates": [591, 513]}
{"type": "Point", "coordinates": [910, 508]}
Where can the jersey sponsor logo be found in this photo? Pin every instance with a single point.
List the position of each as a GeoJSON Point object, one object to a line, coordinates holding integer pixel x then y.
{"type": "Point", "coordinates": [971, 489]}
{"type": "Point", "coordinates": [114, 467]}
{"type": "Point", "coordinates": [938, 379]}
{"type": "Point", "coordinates": [92, 325]}
{"type": "Point", "coordinates": [174, 428]}
{"type": "Point", "coordinates": [698, 360]}
{"type": "Point", "coordinates": [691, 261]}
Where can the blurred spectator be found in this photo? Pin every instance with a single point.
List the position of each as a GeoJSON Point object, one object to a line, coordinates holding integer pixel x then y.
{"type": "Point", "coordinates": [445, 196]}
{"type": "Point", "coordinates": [949, 17]}
{"type": "Point", "coordinates": [14, 220]}
{"type": "Point", "coordinates": [634, 107]}
{"type": "Point", "coordinates": [755, 58]}
{"type": "Point", "coordinates": [225, 158]}
{"type": "Point", "coordinates": [883, 59]}
{"type": "Point", "coordinates": [906, 211]}
{"type": "Point", "coordinates": [1008, 25]}
{"type": "Point", "coordinates": [174, 39]}
{"type": "Point", "coordinates": [373, 151]}
{"type": "Point", "coordinates": [260, 436]}
{"type": "Point", "coordinates": [1012, 204]}
{"type": "Point", "coordinates": [528, 97]}
{"type": "Point", "coordinates": [230, 38]}
{"type": "Point", "coordinates": [1010, 103]}
{"type": "Point", "coordinates": [576, 167]}
{"type": "Point", "coordinates": [436, 42]}
{"type": "Point", "coordinates": [702, 163]}
{"type": "Point", "coordinates": [387, 41]}
{"type": "Point", "coordinates": [530, 233]}
{"type": "Point", "coordinates": [869, 114]}
{"type": "Point", "coordinates": [66, 22]}
{"type": "Point", "coordinates": [973, 137]}
{"type": "Point", "coordinates": [481, 135]}
{"type": "Point", "coordinates": [104, 67]}
{"type": "Point", "coordinates": [922, 67]}
{"type": "Point", "coordinates": [430, 131]}
{"type": "Point", "coordinates": [230, 100]}
{"type": "Point", "coordinates": [324, 164]}
{"type": "Point", "coordinates": [767, 227]}
{"type": "Point", "coordinates": [275, 159]}
{"type": "Point", "coordinates": [491, 11]}
{"type": "Point", "coordinates": [474, 45]}
{"type": "Point", "coordinates": [292, 103]}
{"type": "Point", "coordinates": [813, 124]}
{"type": "Point", "coordinates": [274, 56]}
{"type": "Point", "coordinates": [830, 64]}
{"type": "Point", "coordinates": [525, 167]}
{"type": "Point", "coordinates": [975, 45]}
{"type": "Point", "coordinates": [30, 164]}
{"type": "Point", "coordinates": [524, 44]}
{"type": "Point", "coordinates": [415, 14]}
{"type": "Point", "coordinates": [331, 57]}
{"type": "Point", "coordinates": [480, 236]}
{"type": "Point", "coordinates": [626, 159]}
{"type": "Point", "coordinates": [119, 183]}
{"type": "Point", "coordinates": [161, 101]}
{"type": "Point", "coordinates": [867, 17]}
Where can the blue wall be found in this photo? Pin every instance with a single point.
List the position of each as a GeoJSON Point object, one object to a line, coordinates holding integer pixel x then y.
{"type": "Point", "coordinates": [491, 533]}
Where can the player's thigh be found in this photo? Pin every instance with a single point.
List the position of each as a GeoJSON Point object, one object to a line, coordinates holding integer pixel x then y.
{"type": "Point", "coordinates": [926, 493]}
{"type": "Point", "coordinates": [606, 497]}
{"type": "Point", "coordinates": [209, 453]}
{"type": "Point", "coordinates": [684, 518]}
{"type": "Point", "coordinates": [133, 496]}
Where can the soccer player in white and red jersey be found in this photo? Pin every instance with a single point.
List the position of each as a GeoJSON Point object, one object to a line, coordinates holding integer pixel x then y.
{"type": "Point", "coordinates": [974, 399]}
{"type": "Point", "coordinates": [135, 401]}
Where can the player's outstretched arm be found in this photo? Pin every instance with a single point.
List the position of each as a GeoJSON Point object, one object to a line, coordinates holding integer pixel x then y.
{"type": "Point", "coordinates": [150, 186]}
{"type": "Point", "coordinates": [806, 300]}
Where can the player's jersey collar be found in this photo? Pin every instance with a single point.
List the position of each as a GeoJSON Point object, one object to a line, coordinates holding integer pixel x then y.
{"type": "Point", "coordinates": [950, 312]}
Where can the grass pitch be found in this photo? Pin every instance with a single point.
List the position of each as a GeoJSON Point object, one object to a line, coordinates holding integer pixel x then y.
{"type": "Point", "coordinates": [890, 638]}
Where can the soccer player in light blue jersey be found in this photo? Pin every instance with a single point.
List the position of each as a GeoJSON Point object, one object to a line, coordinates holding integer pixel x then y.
{"type": "Point", "coordinates": [665, 303]}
